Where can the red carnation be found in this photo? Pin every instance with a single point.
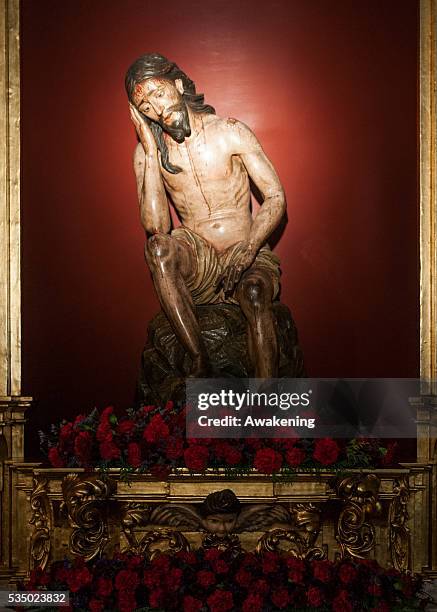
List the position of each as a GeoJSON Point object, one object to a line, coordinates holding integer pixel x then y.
{"type": "Point", "coordinates": [106, 413]}
{"type": "Point", "coordinates": [95, 605]}
{"type": "Point", "coordinates": [270, 563]}
{"type": "Point", "coordinates": [233, 456]}
{"type": "Point", "coordinates": [296, 569]}
{"type": "Point", "coordinates": [347, 573]}
{"type": "Point", "coordinates": [161, 563]}
{"type": "Point", "coordinates": [322, 570]}
{"type": "Point", "coordinates": [196, 457]}
{"type": "Point", "coordinates": [156, 598]}
{"type": "Point", "coordinates": [79, 578]}
{"type": "Point", "coordinates": [134, 454]}
{"type": "Point", "coordinates": [295, 456]}
{"type": "Point", "coordinates": [254, 443]}
{"type": "Point", "coordinates": [267, 460]}
{"type": "Point", "coordinates": [253, 603]}
{"type": "Point", "coordinates": [39, 577]}
{"type": "Point", "coordinates": [280, 598]}
{"type": "Point", "coordinates": [147, 409]}
{"type": "Point", "coordinates": [243, 578]}
{"type": "Point", "coordinates": [212, 554]}
{"type": "Point", "coordinates": [174, 448]}
{"type": "Point", "coordinates": [109, 450]}
{"type": "Point", "coordinates": [342, 603]}
{"type": "Point", "coordinates": [126, 427]}
{"type": "Point", "coordinates": [205, 578]}
{"type": "Point", "coordinates": [220, 566]}
{"type": "Point", "coordinates": [156, 430]}
{"type": "Point", "coordinates": [134, 561]}
{"type": "Point", "coordinates": [191, 604]}
{"type": "Point", "coordinates": [126, 580]}
{"type": "Point", "coordinates": [152, 579]}
{"type": "Point", "coordinates": [79, 419]}
{"type": "Point", "coordinates": [261, 586]}
{"type": "Point", "coordinates": [315, 597]}
{"type": "Point", "coordinates": [55, 458]}
{"type": "Point", "coordinates": [104, 587]}
{"type": "Point", "coordinates": [126, 601]}
{"type": "Point", "coordinates": [104, 432]}
{"type": "Point", "coordinates": [174, 579]}
{"type": "Point", "coordinates": [188, 557]}
{"type": "Point", "coordinates": [326, 451]}
{"type": "Point", "coordinates": [83, 447]}
{"type": "Point", "coordinates": [62, 574]}
{"type": "Point", "coordinates": [220, 601]}
{"type": "Point", "coordinates": [224, 450]}
{"type": "Point", "coordinates": [65, 431]}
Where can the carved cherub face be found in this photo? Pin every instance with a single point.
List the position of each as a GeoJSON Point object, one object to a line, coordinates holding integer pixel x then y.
{"type": "Point", "coordinates": [220, 524]}
{"type": "Point", "coordinates": [160, 100]}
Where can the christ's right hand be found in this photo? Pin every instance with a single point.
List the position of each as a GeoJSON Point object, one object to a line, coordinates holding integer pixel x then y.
{"type": "Point", "coordinates": [143, 130]}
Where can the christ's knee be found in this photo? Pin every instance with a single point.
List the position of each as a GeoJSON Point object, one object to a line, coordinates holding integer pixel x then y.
{"type": "Point", "coordinates": [254, 295]}
{"type": "Point", "coordinates": [160, 252]}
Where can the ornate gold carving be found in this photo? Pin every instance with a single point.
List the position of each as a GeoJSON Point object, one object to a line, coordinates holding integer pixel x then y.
{"type": "Point", "coordinates": [135, 515]}
{"type": "Point", "coordinates": [42, 519]}
{"type": "Point", "coordinates": [84, 499]}
{"type": "Point", "coordinates": [399, 534]}
{"type": "Point", "coordinates": [152, 543]}
{"type": "Point", "coordinates": [290, 541]}
{"type": "Point", "coordinates": [355, 535]}
{"type": "Point", "coordinates": [307, 521]}
{"type": "Point", "coordinates": [230, 542]}
{"type": "Point", "coordinates": [221, 504]}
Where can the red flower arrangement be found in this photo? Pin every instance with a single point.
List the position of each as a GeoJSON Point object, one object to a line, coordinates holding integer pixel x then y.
{"type": "Point", "coordinates": [197, 582]}
{"type": "Point", "coordinates": [152, 439]}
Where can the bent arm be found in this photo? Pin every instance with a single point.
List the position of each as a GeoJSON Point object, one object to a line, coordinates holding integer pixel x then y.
{"type": "Point", "coordinates": [154, 209]}
{"type": "Point", "coordinates": [262, 173]}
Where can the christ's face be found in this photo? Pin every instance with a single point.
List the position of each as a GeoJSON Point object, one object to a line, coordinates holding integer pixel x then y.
{"type": "Point", "coordinates": [161, 101]}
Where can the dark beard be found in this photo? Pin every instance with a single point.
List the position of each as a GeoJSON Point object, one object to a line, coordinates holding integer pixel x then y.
{"type": "Point", "coordinates": [180, 127]}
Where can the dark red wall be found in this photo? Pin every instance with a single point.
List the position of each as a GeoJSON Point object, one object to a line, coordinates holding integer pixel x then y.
{"type": "Point", "coordinates": [330, 90]}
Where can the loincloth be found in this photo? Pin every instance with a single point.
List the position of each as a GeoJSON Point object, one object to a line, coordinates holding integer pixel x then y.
{"type": "Point", "coordinates": [210, 265]}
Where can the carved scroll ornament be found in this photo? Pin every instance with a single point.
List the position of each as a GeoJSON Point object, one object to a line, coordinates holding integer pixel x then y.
{"type": "Point", "coordinates": [399, 534]}
{"type": "Point", "coordinates": [84, 500]}
{"type": "Point", "coordinates": [42, 520]}
{"type": "Point", "coordinates": [355, 533]}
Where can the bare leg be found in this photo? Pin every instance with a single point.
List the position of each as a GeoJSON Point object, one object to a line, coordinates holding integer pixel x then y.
{"type": "Point", "coordinates": [169, 261]}
{"type": "Point", "coordinates": [255, 293]}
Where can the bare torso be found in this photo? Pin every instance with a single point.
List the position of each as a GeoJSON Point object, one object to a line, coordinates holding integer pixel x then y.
{"type": "Point", "coordinates": [212, 193]}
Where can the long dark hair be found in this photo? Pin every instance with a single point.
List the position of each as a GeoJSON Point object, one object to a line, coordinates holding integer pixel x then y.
{"type": "Point", "coordinates": [156, 65]}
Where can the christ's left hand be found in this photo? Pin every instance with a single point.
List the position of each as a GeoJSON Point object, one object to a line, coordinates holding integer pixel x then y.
{"type": "Point", "coordinates": [242, 258]}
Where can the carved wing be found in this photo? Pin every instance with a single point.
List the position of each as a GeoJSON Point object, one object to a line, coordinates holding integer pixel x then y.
{"type": "Point", "coordinates": [176, 515]}
{"type": "Point", "coordinates": [257, 517]}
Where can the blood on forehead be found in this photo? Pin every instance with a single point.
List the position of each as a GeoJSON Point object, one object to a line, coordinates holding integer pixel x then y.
{"type": "Point", "coordinates": [145, 87]}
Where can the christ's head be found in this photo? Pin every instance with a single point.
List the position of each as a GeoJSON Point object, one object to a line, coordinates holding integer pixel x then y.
{"type": "Point", "coordinates": [161, 101]}
{"type": "Point", "coordinates": [161, 91]}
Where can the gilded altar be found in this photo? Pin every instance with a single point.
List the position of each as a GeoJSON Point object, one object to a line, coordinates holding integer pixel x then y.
{"type": "Point", "coordinates": [47, 514]}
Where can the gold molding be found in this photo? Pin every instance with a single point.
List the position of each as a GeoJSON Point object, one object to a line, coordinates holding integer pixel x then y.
{"type": "Point", "coordinates": [10, 273]}
{"type": "Point", "coordinates": [428, 203]}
